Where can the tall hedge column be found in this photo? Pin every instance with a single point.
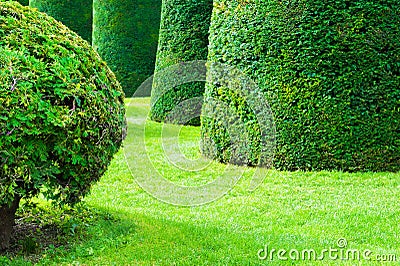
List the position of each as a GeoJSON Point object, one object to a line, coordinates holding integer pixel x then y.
{"type": "Point", "coordinates": [75, 14]}
{"type": "Point", "coordinates": [183, 37]}
{"type": "Point", "coordinates": [125, 34]}
{"type": "Point", "coordinates": [330, 71]}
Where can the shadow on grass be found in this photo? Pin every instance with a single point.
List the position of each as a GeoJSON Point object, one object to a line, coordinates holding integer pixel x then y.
{"type": "Point", "coordinates": [46, 236]}
{"type": "Point", "coordinates": [43, 232]}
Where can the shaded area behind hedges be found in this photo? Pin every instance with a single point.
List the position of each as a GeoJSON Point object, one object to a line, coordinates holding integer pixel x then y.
{"type": "Point", "coordinates": [75, 14]}
{"type": "Point", "coordinates": [125, 34]}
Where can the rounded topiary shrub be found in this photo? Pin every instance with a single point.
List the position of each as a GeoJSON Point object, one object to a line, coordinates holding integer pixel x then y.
{"type": "Point", "coordinates": [330, 71]}
{"type": "Point", "coordinates": [75, 14]}
{"type": "Point", "coordinates": [183, 37]}
{"type": "Point", "coordinates": [125, 34]}
{"type": "Point", "coordinates": [62, 115]}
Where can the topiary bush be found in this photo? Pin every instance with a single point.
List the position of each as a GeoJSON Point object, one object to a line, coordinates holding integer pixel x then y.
{"type": "Point", "coordinates": [183, 37]}
{"type": "Point", "coordinates": [125, 34]}
{"type": "Point", "coordinates": [61, 112]}
{"type": "Point", "coordinates": [75, 14]}
{"type": "Point", "coordinates": [330, 71]}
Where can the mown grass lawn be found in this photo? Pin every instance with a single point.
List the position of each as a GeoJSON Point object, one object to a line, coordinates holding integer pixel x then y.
{"type": "Point", "coordinates": [288, 211]}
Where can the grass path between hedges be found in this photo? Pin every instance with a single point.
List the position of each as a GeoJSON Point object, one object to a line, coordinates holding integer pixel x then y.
{"type": "Point", "coordinates": [292, 211]}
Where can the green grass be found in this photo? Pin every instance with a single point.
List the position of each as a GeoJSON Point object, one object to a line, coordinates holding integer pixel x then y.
{"type": "Point", "coordinates": [295, 210]}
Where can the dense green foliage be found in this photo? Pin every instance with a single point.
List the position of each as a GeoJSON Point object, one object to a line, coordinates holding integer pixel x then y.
{"type": "Point", "coordinates": [125, 34]}
{"type": "Point", "coordinates": [75, 14]}
{"type": "Point", "coordinates": [183, 37]}
{"type": "Point", "coordinates": [331, 73]}
{"type": "Point", "coordinates": [24, 2]}
{"type": "Point", "coordinates": [61, 109]}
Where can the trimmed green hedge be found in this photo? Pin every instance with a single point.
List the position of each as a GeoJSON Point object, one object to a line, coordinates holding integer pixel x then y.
{"type": "Point", "coordinates": [331, 73]}
{"type": "Point", "coordinates": [183, 37]}
{"type": "Point", "coordinates": [75, 14]}
{"type": "Point", "coordinates": [125, 34]}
